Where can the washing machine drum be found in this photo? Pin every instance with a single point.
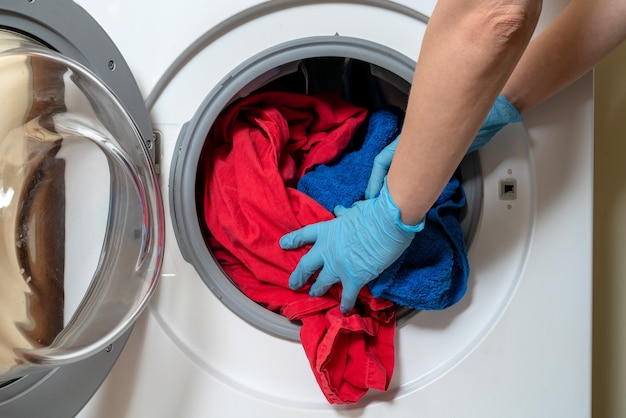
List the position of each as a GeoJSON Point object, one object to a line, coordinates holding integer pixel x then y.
{"type": "Point", "coordinates": [81, 223]}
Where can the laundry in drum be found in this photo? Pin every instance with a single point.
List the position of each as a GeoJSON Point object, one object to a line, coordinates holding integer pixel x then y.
{"type": "Point", "coordinates": [432, 273]}
{"type": "Point", "coordinates": [277, 160]}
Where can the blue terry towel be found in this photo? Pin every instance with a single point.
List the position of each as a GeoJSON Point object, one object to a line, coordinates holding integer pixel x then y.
{"type": "Point", "coordinates": [344, 181]}
{"type": "Point", "coordinates": [432, 273]}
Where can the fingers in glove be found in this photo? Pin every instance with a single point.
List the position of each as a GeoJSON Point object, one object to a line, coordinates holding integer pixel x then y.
{"type": "Point", "coordinates": [349, 296]}
{"type": "Point", "coordinates": [339, 210]}
{"type": "Point", "coordinates": [299, 237]}
{"type": "Point", "coordinates": [308, 265]}
{"type": "Point", "coordinates": [325, 280]}
{"type": "Point", "coordinates": [382, 162]}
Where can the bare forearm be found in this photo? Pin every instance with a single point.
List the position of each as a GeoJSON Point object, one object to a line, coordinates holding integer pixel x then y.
{"type": "Point", "coordinates": [469, 50]}
{"type": "Point", "coordinates": [579, 37]}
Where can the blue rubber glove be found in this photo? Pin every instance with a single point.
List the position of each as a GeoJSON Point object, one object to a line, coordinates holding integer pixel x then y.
{"type": "Point", "coordinates": [354, 248]}
{"type": "Point", "coordinates": [501, 114]}
{"type": "Point", "coordinates": [382, 162]}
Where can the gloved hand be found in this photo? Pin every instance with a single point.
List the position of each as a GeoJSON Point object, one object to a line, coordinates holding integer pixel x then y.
{"type": "Point", "coordinates": [354, 248]}
{"type": "Point", "coordinates": [501, 114]}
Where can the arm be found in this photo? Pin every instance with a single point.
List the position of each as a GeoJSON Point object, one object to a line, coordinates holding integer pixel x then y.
{"type": "Point", "coordinates": [585, 32]}
{"type": "Point", "coordinates": [470, 48]}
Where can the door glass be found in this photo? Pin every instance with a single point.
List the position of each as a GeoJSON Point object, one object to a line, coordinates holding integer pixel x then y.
{"type": "Point", "coordinates": [81, 227]}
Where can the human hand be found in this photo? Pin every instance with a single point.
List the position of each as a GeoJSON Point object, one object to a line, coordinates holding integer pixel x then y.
{"type": "Point", "coordinates": [354, 248]}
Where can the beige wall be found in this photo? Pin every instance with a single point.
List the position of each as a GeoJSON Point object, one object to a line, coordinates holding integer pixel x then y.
{"type": "Point", "coordinates": [609, 322]}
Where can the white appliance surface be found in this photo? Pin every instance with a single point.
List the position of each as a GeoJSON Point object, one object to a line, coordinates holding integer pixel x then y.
{"type": "Point", "coordinates": [517, 345]}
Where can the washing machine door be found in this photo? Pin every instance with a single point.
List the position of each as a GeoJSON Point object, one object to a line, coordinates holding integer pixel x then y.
{"type": "Point", "coordinates": [81, 219]}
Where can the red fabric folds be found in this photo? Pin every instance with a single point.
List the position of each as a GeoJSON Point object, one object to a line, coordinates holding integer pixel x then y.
{"type": "Point", "coordinates": [254, 155]}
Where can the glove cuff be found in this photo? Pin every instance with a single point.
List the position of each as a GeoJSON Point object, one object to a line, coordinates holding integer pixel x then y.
{"type": "Point", "coordinates": [506, 111]}
{"type": "Point", "coordinates": [394, 211]}
{"type": "Point", "coordinates": [501, 114]}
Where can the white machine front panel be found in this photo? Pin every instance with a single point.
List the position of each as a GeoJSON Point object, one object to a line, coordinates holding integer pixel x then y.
{"type": "Point", "coordinates": [517, 345]}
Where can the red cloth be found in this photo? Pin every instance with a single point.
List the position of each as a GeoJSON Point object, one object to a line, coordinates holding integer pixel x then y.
{"type": "Point", "coordinates": [254, 155]}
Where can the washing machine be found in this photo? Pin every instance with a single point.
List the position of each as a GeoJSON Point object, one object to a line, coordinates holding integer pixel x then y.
{"type": "Point", "coordinates": [518, 343]}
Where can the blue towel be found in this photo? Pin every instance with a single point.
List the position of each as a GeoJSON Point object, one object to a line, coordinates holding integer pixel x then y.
{"type": "Point", "coordinates": [344, 181]}
{"type": "Point", "coordinates": [432, 273]}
